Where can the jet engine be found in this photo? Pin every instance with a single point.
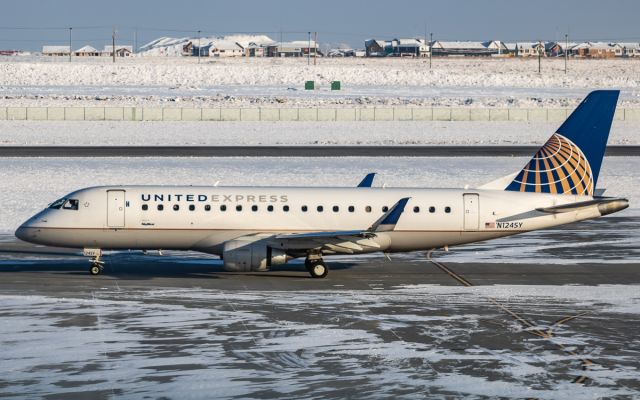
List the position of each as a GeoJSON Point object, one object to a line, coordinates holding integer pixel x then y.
{"type": "Point", "coordinates": [251, 254]}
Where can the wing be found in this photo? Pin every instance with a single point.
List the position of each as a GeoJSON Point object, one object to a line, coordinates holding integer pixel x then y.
{"type": "Point", "coordinates": [348, 242]}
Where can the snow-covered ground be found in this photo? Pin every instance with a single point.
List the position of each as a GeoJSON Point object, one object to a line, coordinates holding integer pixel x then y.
{"type": "Point", "coordinates": [276, 82]}
{"type": "Point", "coordinates": [122, 133]}
{"type": "Point", "coordinates": [419, 339]}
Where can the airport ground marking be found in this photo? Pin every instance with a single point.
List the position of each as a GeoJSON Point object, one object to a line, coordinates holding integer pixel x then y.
{"type": "Point", "coordinates": [528, 325]}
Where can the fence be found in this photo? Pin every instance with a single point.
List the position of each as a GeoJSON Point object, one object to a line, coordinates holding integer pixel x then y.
{"type": "Point", "coordinates": [296, 114]}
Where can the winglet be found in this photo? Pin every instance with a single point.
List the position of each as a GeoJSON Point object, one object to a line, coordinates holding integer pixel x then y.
{"type": "Point", "coordinates": [389, 220]}
{"type": "Point", "coordinates": [368, 180]}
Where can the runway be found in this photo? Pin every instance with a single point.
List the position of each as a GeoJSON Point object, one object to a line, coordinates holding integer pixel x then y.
{"type": "Point", "coordinates": [153, 325]}
{"type": "Point", "coordinates": [286, 151]}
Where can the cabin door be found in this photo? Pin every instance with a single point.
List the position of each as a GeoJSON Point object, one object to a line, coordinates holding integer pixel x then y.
{"type": "Point", "coordinates": [471, 211]}
{"type": "Point", "coordinates": [115, 208]}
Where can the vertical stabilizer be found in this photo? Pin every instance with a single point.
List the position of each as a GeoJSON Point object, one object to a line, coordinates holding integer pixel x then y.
{"type": "Point", "coordinates": [569, 163]}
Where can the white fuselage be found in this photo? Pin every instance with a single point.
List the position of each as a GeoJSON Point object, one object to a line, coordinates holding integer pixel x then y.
{"type": "Point", "coordinates": [128, 217]}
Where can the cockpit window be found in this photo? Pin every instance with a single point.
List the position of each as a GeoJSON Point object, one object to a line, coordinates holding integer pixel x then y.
{"type": "Point", "coordinates": [71, 204]}
{"type": "Point", "coordinates": [57, 204]}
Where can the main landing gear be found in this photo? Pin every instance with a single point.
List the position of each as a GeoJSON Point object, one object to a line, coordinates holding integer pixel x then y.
{"type": "Point", "coordinates": [316, 266]}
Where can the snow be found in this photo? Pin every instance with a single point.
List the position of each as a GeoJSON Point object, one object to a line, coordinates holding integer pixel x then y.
{"type": "Point", "coordinates": [275, 81]}
{"type": "Point", "coordinates": [81, 133]}
{"type": "Point", "coordinates": [225, 344]}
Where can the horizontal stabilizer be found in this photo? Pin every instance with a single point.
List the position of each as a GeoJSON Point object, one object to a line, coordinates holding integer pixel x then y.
{"type": "Point", "coordinates": [368, 180]}
{"type": "Point", "coordinates": [605, 206]}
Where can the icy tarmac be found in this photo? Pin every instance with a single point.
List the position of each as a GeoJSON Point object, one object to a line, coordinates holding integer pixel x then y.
{"type": "Point", "coordinates": [178, 327]}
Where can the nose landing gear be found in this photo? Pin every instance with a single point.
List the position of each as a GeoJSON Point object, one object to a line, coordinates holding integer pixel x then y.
{"type": "Point", "coordinates": [97, 265]}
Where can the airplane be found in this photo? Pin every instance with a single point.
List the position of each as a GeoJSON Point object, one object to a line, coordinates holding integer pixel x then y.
{"type": "Point", "coordinates": [255, 228]}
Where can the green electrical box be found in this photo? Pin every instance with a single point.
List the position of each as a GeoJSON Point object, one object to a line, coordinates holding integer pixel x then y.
{"type": "Point", "coordinates": [335, 85]}
{"type": "Point", "coordinates": [309, 85]}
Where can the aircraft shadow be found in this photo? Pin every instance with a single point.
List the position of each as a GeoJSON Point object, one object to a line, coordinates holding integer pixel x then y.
{"type": "Point", "coordinates": [138, 267]}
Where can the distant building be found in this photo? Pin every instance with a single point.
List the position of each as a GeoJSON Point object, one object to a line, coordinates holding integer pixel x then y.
{"type": "Point", "coordinates": [86, 51]}
{"type": "Point", "coordinates": [441, 48]}
{"type": "Point", "coordinates": [630, 49]}
{"type": "Point", "coordinates": [300, 48]}
{"type": "Point", "coordinates": [410, 48]}
{"type": "Point", "coordinates": [225, 48]}
{"type": "Point", "coordinates": [531, 49]}
{"type": "Point", "coordinates": [56, 50]}
{"type": "Point", "coordinates": [375, 48]}
{"type": "Point", "coordinates": [121, 51]}
{"type": "Point", "coordinates": [254, 50]}
{"type": "Point", "coordinates": [594, 50]}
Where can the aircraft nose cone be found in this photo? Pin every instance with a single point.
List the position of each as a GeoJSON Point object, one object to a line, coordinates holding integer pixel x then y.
{"type": "Point", "coordinates": [22, 232]}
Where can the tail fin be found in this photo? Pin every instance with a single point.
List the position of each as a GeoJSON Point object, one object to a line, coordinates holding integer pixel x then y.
{"type": "Point", "coordinates": [569, 163]}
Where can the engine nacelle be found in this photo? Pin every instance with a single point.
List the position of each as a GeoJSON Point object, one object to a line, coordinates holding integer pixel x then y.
{"type": "Point", "coordinates": [248, 254]}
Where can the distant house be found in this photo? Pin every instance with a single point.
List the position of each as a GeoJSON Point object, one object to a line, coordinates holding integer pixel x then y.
{"type": "Point", "coordinates": [496, 46]}
{"type": "Point", "coordinates": [187, 49]}
{"type": "Point", "coordinates": [440, 48]}
{"type": "Point", "coordinates": [511, 48]}
{"type": "Point", "coordinates": [254, 50]}
{"type": "Point", "coordinates": [121, 51]}
{"type": "Point", "coordinates": [409, 48]}
{"type": "Point", "coordinates": [225, 48]}
{"type": "Point", "coordinates": [531, 49]}
{"type": "Point", "coordinates": [594, 50]}
{"type": "Point", "coordinates": [56, 50]}
{"type": "Point", "coordinates": [300, 48]}
{"type": "Point", "coordinates": [630, 49]}
{"type": "Point", "coordinates": [374, 48]}
{"type": "Point", "coordinates": [86, 51]}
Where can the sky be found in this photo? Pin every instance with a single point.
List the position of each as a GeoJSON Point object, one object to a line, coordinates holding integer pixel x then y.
{"type": "Point", "coordinates": [29, 24]}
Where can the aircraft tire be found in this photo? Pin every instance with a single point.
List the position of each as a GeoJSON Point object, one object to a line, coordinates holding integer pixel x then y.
{"type": "Point", "coordinates": [318, 270]}
{"type": "Point", "coordinates": [95, 269]}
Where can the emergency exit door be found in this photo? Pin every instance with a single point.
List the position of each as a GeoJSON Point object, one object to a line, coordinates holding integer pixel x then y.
{"type": "Point", "coordinates": [115, 208]}
{"type": "Point", "coordinates": [471, 211]}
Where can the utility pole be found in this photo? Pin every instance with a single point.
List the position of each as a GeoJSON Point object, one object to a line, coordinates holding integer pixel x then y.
{"type": "Point", "coordinates": [135, 41]}
{"type": "Point", "coordinates": [566, 51]}
{"type": "Point", "coordinates": [309, 50]}
{"type": "Point", "coordinates": [539, 57]}
{"type": "Point", "coordinates": [113, 44]}
{"type": "Point", "coordinates": [315, 46]}
{"type": "Point", "coordinates": [430, 48]}
{"type": "Point", "coordinates": [70, 50]}
{"type": "Point", "coordinates": [199, 49]}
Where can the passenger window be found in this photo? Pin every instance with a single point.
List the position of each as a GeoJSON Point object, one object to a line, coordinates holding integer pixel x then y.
{"type": "Point", "coordinates": [416, 209]}
{"type": "Point", "coordinates": [254, 208]}
{"type": "Point", "coordinates": [145, 207]}
{"type": "Point", "coordinates": [238, 208]}
{"type": "Point", "coordinates": [160, 207]}
{"type": "Point", "coordinates": [336, 208]}
{"type": "Point", "coordinates": [367, 208]}
{"type": "Point", "coordinates": [71, 204]}
{"type": "Point", "coordinates": [192, 207]}
{"type": "Point", "coordinates": [352, 208]}
{"type": "Point", "coordinates": [223, 207]}
{"type": "Point", "coordinates": [385, 208]}
{"type": "Point", "coordinates": [304, 208]}
{"type": "Point", "coordinates": [176, 207]}
{"type": "Point", "coordinates": [447, 210]}
{"type": "Point", "coordinates": [270, 208]}
{"type": "Point", "coordinates": [320, 208]}
{"type": "Point", "coordinates": [207, 207]}
{"type": "Point", "coordinates": [432, 209]}
{"type": "Point", "coordinates": [285, 208]}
